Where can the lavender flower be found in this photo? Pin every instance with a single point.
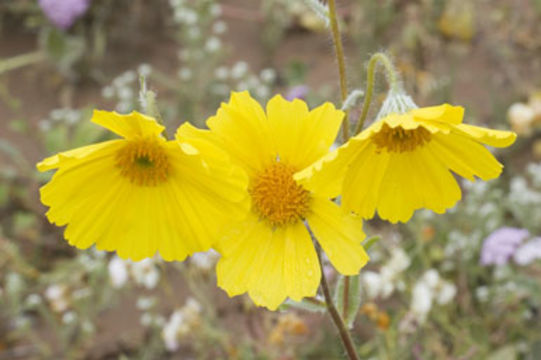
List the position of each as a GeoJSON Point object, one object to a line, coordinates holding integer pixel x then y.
{"type": "Point", "coordinates": [528, 252]}
{"type": "Point", "coordinates": [63, 13]}
{"type": "Point", "coordinates": [297, 92]}
{"type": "Point", "coordinates": [499, 246]}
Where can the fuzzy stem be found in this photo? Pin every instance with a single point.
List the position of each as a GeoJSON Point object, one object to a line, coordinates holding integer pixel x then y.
{"type": "Point", "coordinates": [336, 318]}
{"type": "Point", "coordinates": [392, 79]}
{"type": "Point", "coordinates": [148, 101]}
{"type": "Point", "coordinates": [345, 299]}
{"type": "Point", "coordinates": [337, 40]}
{"type": "Point", "coordinates": [21, 61]}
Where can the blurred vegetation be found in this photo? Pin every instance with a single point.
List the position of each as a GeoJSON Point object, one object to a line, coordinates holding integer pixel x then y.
{"type": "Point", "coordinates": [58, 303]}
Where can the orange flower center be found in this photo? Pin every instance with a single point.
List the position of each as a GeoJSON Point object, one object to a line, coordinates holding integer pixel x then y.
{"type": "Point", "coordinates": [143, 161]}
{"type": "Point", "coordinates": [277, 198]}
{"type": "Point", "coordinates": [400, 140]}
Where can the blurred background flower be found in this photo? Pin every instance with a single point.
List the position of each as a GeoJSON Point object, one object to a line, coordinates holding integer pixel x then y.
{"type": "Point", "coordinates": [63, 13]}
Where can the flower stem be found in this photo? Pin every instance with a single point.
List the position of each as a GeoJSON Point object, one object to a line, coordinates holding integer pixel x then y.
{"type": "Point", "coordinates": [21, 61]}
{"type": "Point", "coordinates": [392, 79]}
{"type": "Point", "coordinates": [336, 318]}
{"type": "Point", "coordinates": [345, 299]}
{"type": "Point", "coordinates": [337, 40]}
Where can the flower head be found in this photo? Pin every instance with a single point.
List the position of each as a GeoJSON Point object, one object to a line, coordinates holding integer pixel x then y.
{"type": "Point", "coordinates": [403, 162]}
{"type": "Point", "coordinates": [528, 252]}
{"type": "Point", "coordinates": [63, 13]}
{"type": "Point", "coordinates": [270, 255]}
{"type": "Point", "coordinates": [499, 246]}
{"type": "Point", "coordinates": [141, 194]}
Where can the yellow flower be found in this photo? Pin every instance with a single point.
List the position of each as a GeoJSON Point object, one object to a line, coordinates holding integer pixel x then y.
{"type": "Point", "coordinates": [142, 194]}
{"type": "Point", "coordinates": [401, 163]}
{"type": "Point", "coordinates": [270, 255]}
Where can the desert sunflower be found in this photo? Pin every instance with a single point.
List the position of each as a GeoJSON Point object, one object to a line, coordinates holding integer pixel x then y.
{"type": "Point", "coordinates": [270, 254]}
{"type": "Point", "coordinates": [141, 194]}
{"type": "Point", "coordinates": [403, 162]}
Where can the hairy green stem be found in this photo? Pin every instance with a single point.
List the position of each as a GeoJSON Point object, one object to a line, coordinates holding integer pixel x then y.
{"type": "Point", "coordinates": [392, 78]}
{"type": "Point", "coordinates": [337, 40]}
{"type": "Point", "coordinates": [336, 318]}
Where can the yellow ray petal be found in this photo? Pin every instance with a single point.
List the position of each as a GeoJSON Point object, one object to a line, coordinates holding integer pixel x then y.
{"type": "Point", "coordinates": [442, 113]}
{"type": "Point", "coordinates": [64, 158]}
{"type": "Point", "coordinates": [415, 180]}
{"type": "Point", "coordinates": [302, 137]}
{"type": "Point", "coordinates": [128, 126]}
{"type": "Point", "coordinates": [204, 140]}
{"type": "Point", "coordinates": [466, 157]}
{"type": "Point", "coordinates": [325, 176]}
{"type": "Point", "coordinates": [397, 199]}
{"type": "Point", "coordinates": [180, 216]}
{"type": "Point", "coordinates": [64, 193]}
{"type": "Point", "coordinates": [242, 249]}
{"type": "Point", "coordinates": [496, 138]}
{"type": "Point", "coordinates": [240, 126]}
{"type": "Point", "coordinates": [270, 265]}
{"type": "Point", "coordinates": [340, 236]}
{"type": "Point", "coordinates": [433, 182]}
{"type": "Point", "coordinates": [302, 273]}
{"type": "Point", "coordinates": [362, 183]}
{"type": "Point", "coordinates": [289, 269]}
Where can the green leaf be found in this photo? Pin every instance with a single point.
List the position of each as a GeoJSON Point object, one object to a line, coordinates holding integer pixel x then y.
{"type": "Point", "coordinates": [348, 306]}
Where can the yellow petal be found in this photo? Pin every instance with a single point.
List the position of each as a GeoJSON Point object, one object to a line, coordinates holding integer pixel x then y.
{"type": "Point", "coordinates": [270, 265]}
{"type": "Point", "coordinates": [302, 273]}
{"type": "Point", "coordinates": [340, 236]}
{"type": "Point", "coordinates": [64, 158]}
{"type": "Point", "coordinates": [442, 113]}
{"type": "Point", "coordinates": [496, 138]}
{"type": "Point", "coordinates": [183, 215]}
{"type": "Point", "coordinates": [466, 157]}
{"type": "Point", "coordinates": [90, 167]}
{"type": "Point", "coordinates": [404, 121]}
{"type": "Point", "coordinates": [362, 182]}
{"type": "Point", "coordinates": [397, 184]}
{"type": "Point", "coordinates": [241, 128]}
{"type": "Point", "coordinates": [325, 176]}
{"type": "Point", "coordinates": [430, 182]}
{"type": "Point", "coordinates": [397, 200]}
{"type": "Point", "coordinates": [131, 125]}
{"type": "Point", "coordinates": [242, 249]}
{"type": "Point", "coordinates": [302, 137]}
{"type": "Point", "coordinates": [203, 140]}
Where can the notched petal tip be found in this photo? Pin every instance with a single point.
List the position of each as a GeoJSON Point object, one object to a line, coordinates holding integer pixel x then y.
{"type": "Point", "coordinates": [442, 113]}
{"type": "Point", "coordinates": [49, 163]}
{"type": "Point", "coordinates": [127, 125]}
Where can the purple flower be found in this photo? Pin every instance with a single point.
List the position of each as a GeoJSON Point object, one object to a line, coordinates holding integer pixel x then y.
{"type": "Point", "coordinates": [63, 13]}
{"type": "Point", "coordinates": [528, 252]}
{"type": "Point", "coordinates": [297, 92]}
{"type": "Point", "coordinates": [499, 246]}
